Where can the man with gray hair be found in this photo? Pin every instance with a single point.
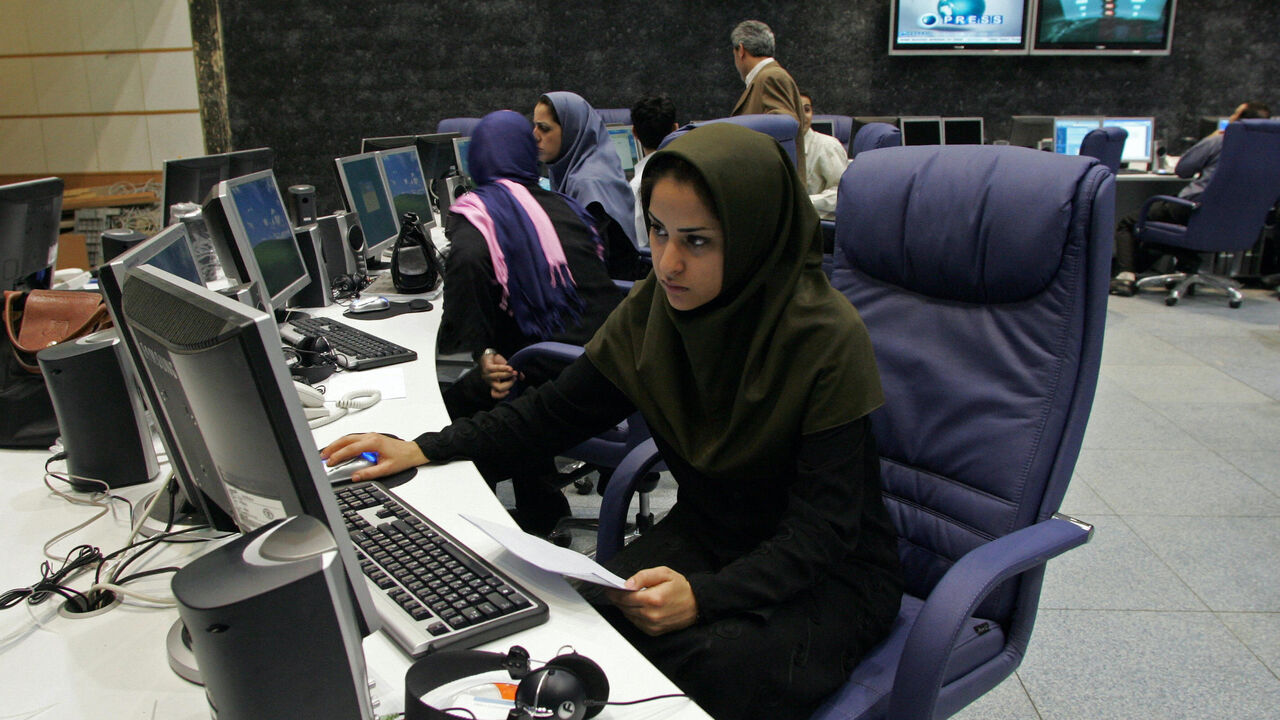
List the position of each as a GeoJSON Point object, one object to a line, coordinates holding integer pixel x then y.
{"type": "Point", "coordinates": [770, 88]}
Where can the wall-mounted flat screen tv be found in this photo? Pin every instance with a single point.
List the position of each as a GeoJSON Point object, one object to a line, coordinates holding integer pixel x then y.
{"type": "Point", "coordinates": [1109, 27]}
{"type": "Point", "coordinates": [958, 27]}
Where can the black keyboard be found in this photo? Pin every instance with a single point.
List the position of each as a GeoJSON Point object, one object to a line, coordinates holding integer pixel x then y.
{"type": "Point", "coordinates": [358, 349]}
{"type": "Point", "coordinates": [431, 591]}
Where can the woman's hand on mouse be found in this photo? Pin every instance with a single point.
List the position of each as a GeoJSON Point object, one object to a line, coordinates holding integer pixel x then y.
{"type": "Point", "coordinates": [394, 455]}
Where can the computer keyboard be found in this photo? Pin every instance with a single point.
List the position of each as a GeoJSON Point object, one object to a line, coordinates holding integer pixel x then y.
{"type": "Point", "coordinates": [431, 591]}
{"type": "Point", "coordinates": [359, 350]}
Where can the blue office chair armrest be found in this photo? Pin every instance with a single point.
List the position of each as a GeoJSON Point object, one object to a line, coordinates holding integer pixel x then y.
{"type": "Point", "coordinates": [1173, 199]}
{"type": "Point", "coordinates": [954, 599]}
{"type": "Point", "coordinates": [624, 284]}
{"type": "Point", "coordinates": [564, 351]}
{"type": "Point", "coordinates": [638, 463]}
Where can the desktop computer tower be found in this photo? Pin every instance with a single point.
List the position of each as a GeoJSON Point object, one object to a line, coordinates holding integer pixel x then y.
{"type": "Point", "coordinates": [100, 413]}
{"type": "Point", "coordinates": [272, 628]}
{"type": "Point", "coordinates": [311, 244]}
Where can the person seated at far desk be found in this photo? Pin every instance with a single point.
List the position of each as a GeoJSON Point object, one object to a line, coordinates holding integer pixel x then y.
{"type": "Point", "coordinates": [653, 117]}
{"type": "Point", "coordinates": [1132, 258]}
{"type": "Point", "coordinates": [826, 161]}
{"type": "Point", "coordinates": [525, 266]}
{"type": "Point", "coordinates": [574, 142]}
{"type": "Point", "coordinates": [777, 567]}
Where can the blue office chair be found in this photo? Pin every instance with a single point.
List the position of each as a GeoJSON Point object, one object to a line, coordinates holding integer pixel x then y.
{"type": "Point", "coordinates": [1227, 217]}
{"type": "Point", "coordinates": [843, 125]}
{"type": "Point", "coordinates": [872, 136]}
{"type": "Point", "coordinates": [782, 128]}
{"type": "Point", "coordinates": [1106, 144]}
{"type": "Point", "coordinates": [462, 125]}
{"type": "Point", "coordinates": [615, 116]}
{"type": "Point", "coordinates": [981, 273]}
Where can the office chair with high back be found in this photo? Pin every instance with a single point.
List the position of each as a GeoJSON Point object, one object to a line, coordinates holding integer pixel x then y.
{"type": "Point", "coordinates": [1105, 144]}
{"type": "Point", "coordinates": [782, 128]}
{"type": "Point", "coordinates": [874, 135]}
{"type": "Point", "coordinates": [1227, 217]}
{"type": "Point", "coordinates": [463, 125]}
{"type": "Point", "coordinates": [615, 116]}
{"type": "Point", "coordinates": [843, 125]}
{"type": "Point", "coordinates": [981, 273]}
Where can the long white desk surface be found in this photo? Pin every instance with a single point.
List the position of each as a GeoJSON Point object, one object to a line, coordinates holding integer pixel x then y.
{"type": "Point", "coordinates": [114, 665]}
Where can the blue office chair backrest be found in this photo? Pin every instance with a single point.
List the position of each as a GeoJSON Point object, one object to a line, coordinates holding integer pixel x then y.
{"type": "Point", "coordinates": [981, 273]}
{"type": "Point", "coordinates": [843, 125]}
{"type": "Point", "coordinates": [464, 125]}
{"type": "Point", "coordinates": [615, 116]}
{"type": "Point", "coordinates": [873, 136]}
{"type": "Point", "coordinates": [782, 128]}
{"type": "Point", "coordinates": [1106, 144]}
{"type": "Point", "coordinates": [1244, 187]}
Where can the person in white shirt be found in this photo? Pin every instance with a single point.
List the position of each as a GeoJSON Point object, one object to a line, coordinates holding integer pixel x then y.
{"type": "Point", "coordinates": [826, 161]}
{"type": "Point", "coordinates": [653, 117]}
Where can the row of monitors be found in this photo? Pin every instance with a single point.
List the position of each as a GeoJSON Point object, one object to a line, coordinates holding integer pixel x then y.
{"type": "Point", "coordinates": [1049, 27]}
{"type": "Point", "coordinates": [1068, 132]}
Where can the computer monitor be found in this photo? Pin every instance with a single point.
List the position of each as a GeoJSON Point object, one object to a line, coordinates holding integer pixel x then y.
{"type": "Point", "coordinates": [921, 130]}
{"type": "Point", "coordinates": [191, 179]}
{"type": "Point", "coordinates": [215, 366]}
{"type": "Point", "coordinates": [406, 183]}
{"type": "Point", "coordinates": [460, 145]}
{"type": "Point", "coordinates": [30, 213]}
{"type": "Point", "coordinates": [1029, 130]}
{"type": "Point", "coordinates": [1069, 132]}
{"type": "Point", "coordinates": [365, 194]}
{"type": "Point", "coordinates": [826, 127]}
{"type": "Point", "coordinates": [962, 131]}
{"type": "Point", "coordinates": [1139, 146]}
{"type": "Point", "coordinates": [435, 151]}
{"type": "Point", "coordinates": [254, 238]}
{"type": "Point", "coordinates": [625, 144]}
{"type": "Point", "coordinates": [1113, 27]}
{"type": "Point", "coordinates": [919, 27]}
{"type": "Point", "coordinates": [169, 250]}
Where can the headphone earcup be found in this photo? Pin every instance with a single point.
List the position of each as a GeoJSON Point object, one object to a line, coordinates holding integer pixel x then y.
{"type": "Point", "coordinates": [553, 689]}
{"type": "Point", "coordinates": [594, 681]}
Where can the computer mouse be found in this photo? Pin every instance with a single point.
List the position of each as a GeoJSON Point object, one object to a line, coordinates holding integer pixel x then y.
{"type": "Point", "coordinates": [371, 304]}
{"type": "Point", "coordinates": [343, 472]}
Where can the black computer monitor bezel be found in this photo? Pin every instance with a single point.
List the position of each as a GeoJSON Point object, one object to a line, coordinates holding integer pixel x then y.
{"type": "Point", "coordinates": [227, 165]}
{"type": "Point", "coordinates": [37, 206]}
{"type": "Point", "coordinates": [957, 46]}
{"type": "Point", "coordinates": [1040, 46]}
{"type": "Point", "coordinates": [231, 240]}
{"type": "Point", "coordinates": [210, 501]}
{"type": "Point", "coordinates": [908, 136]}
{"type": "Point", "coordinates": [199, 320]}
{"type": "Point", "coordinates": [374, 247]}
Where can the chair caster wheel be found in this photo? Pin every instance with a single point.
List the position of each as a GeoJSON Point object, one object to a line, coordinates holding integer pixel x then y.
{"type": "Point", "coordinates": [583, 486]}
{"type": "Point", "coordinates": [1233, 304]}
{"type": "Point", "coordinates": [560, 538]}
{"type": "Point", "coordinates": [1171, 301]}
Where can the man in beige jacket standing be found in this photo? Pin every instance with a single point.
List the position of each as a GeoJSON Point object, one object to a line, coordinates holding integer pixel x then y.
{"type": "Point", "coordinates": [770, 88]}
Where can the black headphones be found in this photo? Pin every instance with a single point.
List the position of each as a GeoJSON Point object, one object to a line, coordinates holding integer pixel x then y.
{"type": "Point", "coordinates": [312, 360]}
{"type": "Point", "coordinates": [568, 687]}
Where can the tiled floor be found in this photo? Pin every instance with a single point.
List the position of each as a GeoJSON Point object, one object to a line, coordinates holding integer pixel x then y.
{"type": "Point", "coordinates": [1173, 610]}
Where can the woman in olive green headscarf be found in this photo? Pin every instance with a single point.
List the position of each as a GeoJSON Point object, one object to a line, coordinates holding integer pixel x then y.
{"type": "Point", "coordinates": [777, 566]}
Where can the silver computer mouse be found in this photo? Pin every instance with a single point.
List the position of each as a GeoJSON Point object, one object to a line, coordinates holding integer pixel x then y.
{"type": "Point", "coordinates": [370, 304]}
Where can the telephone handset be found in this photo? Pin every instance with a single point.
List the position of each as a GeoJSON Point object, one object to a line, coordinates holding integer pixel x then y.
{"type": "Point", "coordinates": [318, 415]}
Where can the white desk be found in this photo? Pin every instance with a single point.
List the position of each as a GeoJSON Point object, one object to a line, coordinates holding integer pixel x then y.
{"type": "Point", "coordinates": [115, 665]}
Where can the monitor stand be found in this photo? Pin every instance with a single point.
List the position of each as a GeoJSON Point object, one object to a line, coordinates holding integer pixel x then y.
{"type": "Point", "coordinates": [181, 660]}
{"type": "Point", "coordinates": [187, 516]}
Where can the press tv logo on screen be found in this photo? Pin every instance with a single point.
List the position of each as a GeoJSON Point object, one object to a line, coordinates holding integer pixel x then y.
{"type": "Point", "coordinates": [958, 13]}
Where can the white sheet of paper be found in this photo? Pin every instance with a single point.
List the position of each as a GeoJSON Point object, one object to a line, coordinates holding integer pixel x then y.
{"type": "Point", "coordinates": [548, 556]}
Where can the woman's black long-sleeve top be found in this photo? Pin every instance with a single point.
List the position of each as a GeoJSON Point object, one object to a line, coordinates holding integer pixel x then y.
{"type": "Point", "coordinates": [775, 536]}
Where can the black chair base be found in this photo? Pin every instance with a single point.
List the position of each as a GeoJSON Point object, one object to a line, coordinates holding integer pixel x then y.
{"type": "Point", "coordinates": [1182, 284]}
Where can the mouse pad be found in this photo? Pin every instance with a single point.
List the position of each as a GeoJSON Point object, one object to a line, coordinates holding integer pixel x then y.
{"type": "Point", "coordinates": [391, 481]}
{"type": "Point", "coordinates": [397, 307]}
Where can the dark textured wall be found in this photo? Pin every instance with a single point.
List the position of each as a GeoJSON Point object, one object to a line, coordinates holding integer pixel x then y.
{"type": "Point", "coordinates": [311, 79]}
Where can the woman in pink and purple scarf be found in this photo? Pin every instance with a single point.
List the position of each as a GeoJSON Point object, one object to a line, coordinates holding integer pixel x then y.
{"type": "Point", "coordinates": [525, 265]}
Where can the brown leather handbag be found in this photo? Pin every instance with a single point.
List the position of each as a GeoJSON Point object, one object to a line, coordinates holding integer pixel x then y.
{"type": "Point", "coordinates": [39, 319]}
{"type": "Point", "coordinates": [33, 321]}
